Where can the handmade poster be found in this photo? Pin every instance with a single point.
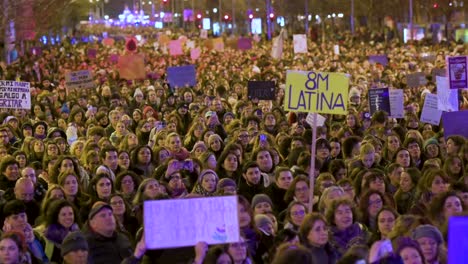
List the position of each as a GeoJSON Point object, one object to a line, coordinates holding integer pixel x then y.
{"type": "Point", "coordinates": [195, 53]}
{"type": "Point", "coordinates": [109, 42]}
{"type": "Point", "coordinates": [430, 114]}
{"type": "Point", "coordinates": [262, 90]}
{"type": "Point", "coordinates": [455, 123]}
{"type": "Point", "coordinates": [416, 79]}
{"type": "Point", "coordinates": [277, 49]}
{"type": "Point", "coordinates": [458, 72]}
{"type": "Point", "coordinates": [397, 108]}
{"type": "Point", "coordinates": [447, 99]}
{"type": "Point", "coordinates": [175, 47]}
{"type": "Point", "coordinates": [185, 222]}
{"type": "Point", "coordinates": [381, 59]}
{"type": "Point", "coordinates": [336, 49]}
{"type": "Point", "coordinates": [79, 79]}
{"type": "Point", "coordinates": [300, 43]}
{"type": "Point", "coordinates": [316, 92]}
{"type": "Point", "coordinates": [320, 119]}
{"type": "Point", "coordinates": [92, 53]}
{"type": "Point", "coordinates": [218, 44]}
{"type": "Point", "coordinates": [244, 43]}
{"type": "Point", "coordinates": [438, 72]}
{"type": "Point", "coordinates": [379, 100]}
{"type": "Point", "coordinates": [203, 34]}
{"type": "Point", "coordinates": [181, 76]}
{"type": "Point", "coordinates": [131, 67]}
{"type": "Point", "coordinates": [457, 240]}
{"type": "Point", "coordinates": [15, 95]}
{"type": "Point", "coordinates": [190, 44]}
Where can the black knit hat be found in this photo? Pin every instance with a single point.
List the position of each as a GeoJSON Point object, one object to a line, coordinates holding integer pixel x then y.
{"type": "Point", "coordinates": [74, 241]}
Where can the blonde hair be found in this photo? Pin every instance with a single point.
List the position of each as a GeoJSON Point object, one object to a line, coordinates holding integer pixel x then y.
{"type": "Point", "coordinates": [366, 149]}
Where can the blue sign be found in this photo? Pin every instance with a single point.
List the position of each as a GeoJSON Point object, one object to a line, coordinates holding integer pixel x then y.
{"type": "Point", "coordinates": [179, 77]}
{"type": "Point", "coordinates": [379, 100]}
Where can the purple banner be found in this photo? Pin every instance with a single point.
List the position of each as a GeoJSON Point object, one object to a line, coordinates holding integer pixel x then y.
{"type": "Point", "coordinates": [244, 43]}
{"type": "Point", "coordinates": [457, 69]}
{"type": "Point", "coordinates": [455, 123]}
{"type": "Point", "coordinates": [382, 59]}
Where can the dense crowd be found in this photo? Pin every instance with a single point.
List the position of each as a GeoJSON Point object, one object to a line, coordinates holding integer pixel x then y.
{"type": "Point", "coordinates": [77, 167]}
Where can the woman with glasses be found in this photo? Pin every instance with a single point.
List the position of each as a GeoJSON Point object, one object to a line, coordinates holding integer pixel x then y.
{"type": "Point", "coordinates": [238, 252]}
{"type": "Point", "coordinates": [126, 222]}
{"type": "Point", "coordinates": [298, 190]}
{"type": "Point", "coordinates": [295, 214]}
{"type": "Point", "coordinates": [369, 205]}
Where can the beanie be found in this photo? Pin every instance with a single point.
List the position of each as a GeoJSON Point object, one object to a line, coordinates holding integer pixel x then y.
{"type": "Point", "coordinates": [72, 242]}
{"type": "Point", "coordinates": [261, 220]}
{"type": "Point", "coordinates": [137, 92]}
{"type": "Point", "coordinates": [261, 198]}
{"type": "Point", "coordinates": [205, 172]}
{"type": "Point", "coordinates": [428, 231]}
{"type": "Point", "coordinates": [199, 144]}
{"type": "Point", "coordinates": [354, 92]}
{"type": "Point", "coordinates": [226, 182]}
{"type": "Point", "coordinates": [430, 141]}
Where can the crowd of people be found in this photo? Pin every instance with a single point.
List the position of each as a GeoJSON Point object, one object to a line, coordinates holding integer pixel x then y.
{"type": "Point", "coordinates": [77, 167]}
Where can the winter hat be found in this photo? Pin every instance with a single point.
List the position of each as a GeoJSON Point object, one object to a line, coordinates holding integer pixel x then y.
{"type": "Point", "coordinates": [8, 118]}
{"type": "Point", "coordinates": [261, 220]}
{"type": "Point", "coordinates": [428, 231]}
{"type": "Point", "coordinates": [137, 92]}
{"type": "Point", "coordinates": [97, 207]}
{"type": "Point", "coordinates": [208, 114]}
{"type": "Point", "coordinates": [199, 144]}
{"type": "Point", "coordinates": [261, 198]}
{"type": "Point", "coordinates": [74, 241]}
{"type": "Point", "coordinates": [354, 92]}
{"type": "Point", "coordinates": [228, 114]}
{"type": "Point", "coordinates": [182, 105]}
{"type": "Point", "coordinates": [226, 182]}
{"type": "Point", "coordinates": [430, 141]}
{"type": "Point", "coordinates": [205, 172]}
{"type": "Point", "coordinates": [213, 137]}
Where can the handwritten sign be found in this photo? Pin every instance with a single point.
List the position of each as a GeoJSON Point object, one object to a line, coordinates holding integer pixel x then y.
{"type": "Point", "coordinates": [455, 123]}
{"type": "Point", "coordinates": [277, 48]}
{"type": "Point", "coordinates": [79, 79]}
{"type": "Point", "coordinates": [175, 47]}
{"type": "Point", "coordinates": [416, 79]}
{"type": "Point", "coordinates": [397, 109]}
{"type": "Point", "coordinates": [381, 59]}
{"type": "Point", "coordinates": [262, 90]}
{"type": "Point", "coordinates": [132, 67]}
{"type": "Point", "coordinates": [184, 222]}
{"type": "Point", "coordinates": [316, 92]}
{"type": "Point", "coordinates": [195, 53]}
{"type": "Point", "coordinates": [457, 240]}
{"type": "Point", "coordinates": [203, 33]}
{"type": "Point", "coordinates": [458, 72]}
{"type": "Point", "coordinates": [430, 114]}
{"type": "Point", "coordinates": [320, 121]}
{"type": "Point", "coordinates": [15, 95]}
{"type": "Point", "coordinates": [447, 99]}
{"type": "Point", "coordinates": [181, 76]}
{"type": "Point", "coordinates": [379, 100]}
{"type": "Point", "coordinates": [336, 49]}
{"type": "Point", "coordinates": [300, 43]}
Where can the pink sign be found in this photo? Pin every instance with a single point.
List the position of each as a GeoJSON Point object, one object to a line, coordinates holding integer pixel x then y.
{"type": "Point", "coordinates": [195, 53]}
{"type": "Point", "coordinates": [175, 47]}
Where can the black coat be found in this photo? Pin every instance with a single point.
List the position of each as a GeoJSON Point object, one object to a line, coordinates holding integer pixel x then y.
{"type": "Point", "coordinates": [108, 249]}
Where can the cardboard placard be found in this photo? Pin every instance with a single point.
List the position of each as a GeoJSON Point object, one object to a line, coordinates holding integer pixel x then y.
{"type": "Point", "coordinates": [179, 77]}
{"type": "Point", "coordinates": [132, 67]}
{"type": "Point", "coordinates": [416, 79]}
{"type": "Point", "coordinates": [382, 59]}
{"type": "Point", "coordinates": [300, 43]}
{"type": "Point", "coordinates": [457, 240]}
{"type": "Point", "coordinates": [397, 108]}
{"type": "Point", "coordinates": [175, 47]}
{"type": "Point", "coordinates": [316, 92]}
{"type": "Point", "coordinates": [15, 95]}
{"type": "Point", "coordinates": [185, 222]}
{"type": "Point", "coordinates": [79, 79]}
{"type": "Point", "coordinates": [262, 90]}
{"type": "Point", "coordinates": [430, 114]}
{"type": "Point", "coordinates": [455, 123]}
{"type": "Point", "coordinates": [447, 99]}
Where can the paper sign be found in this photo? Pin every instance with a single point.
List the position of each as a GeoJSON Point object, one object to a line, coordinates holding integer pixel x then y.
{"type": "Point", "coordinates": [300, 43]}
{"type": "Point", "coordinates": [185, 222]}
{"type": "Point", "coordinates": [336, 49]}
{"type": "Point", "coordinates": [203, 34]}
{"type": "Point", "coordinates": [447, 99]}
{"type": "Point", "coordinates": [181, 76]}
{"type": "Point", "coordinates": [244, 43]}
{"type": "Point", "coordinates": [190, 44]}
{"type": "Point", "coordinates": [397, 109]}
{"type": "Point", "coordinates": [262, 90]}
{"type": "Point", "coordinates": [316, 92]}
{"type": "Point", "coordinates": [458, 72]}
{"type": "Point", "coordinates": [379, 100]}
{"type": "Point", "coordinates": [416, 79]}
{"type": "Point", "coordinates": [92, 53]}
{"type": "Point", "coordinates": [277, 49]}
{"type": "Point", "coordinates": [79, 79]}
{"type": "Point", "coordinates": [175, 47]}
{"type": "Point", "coordinates": [320, 120]}
{"type": "Point", "coordinates": [218, 44]}
{"type": "Point", "coordinates": [15, 95]}
{"type": "Point", "coordinates": [108, 42]}
{"type": "Point", "coordinates": [382, 59]}
{"type": "Point", "coordinates": [195, 53]}
{"type": "Point", "coordinates": [455, 123]}
{"type": "Point", "coordinates": [132, 67]}
{"type": "Point", "coordinates": [430, 114]}
{"type": "Point", "coordinates": [457, 240]}
{"type": "Point", "coordinates": [438, 72]}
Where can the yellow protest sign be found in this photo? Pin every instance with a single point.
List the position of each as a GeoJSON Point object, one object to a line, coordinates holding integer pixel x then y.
{"type": "Point", "coordinates": [316, 92]}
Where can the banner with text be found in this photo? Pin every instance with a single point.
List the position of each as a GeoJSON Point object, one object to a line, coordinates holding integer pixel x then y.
{"type": "Point", "coordinates": [184, 222]}
{"type": "Point", "coordinates": [179, 77]}
{"type": "Point", "coordinates": [79, 79]}
{"type": "Point", "coordinates": [15, 95]}
{"type": "Point", "coordinates": [316, 92]}
{"type": "Point", "coordinates": [262, 90]}
{"type": "Point", "coordinates": [458, 72]}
